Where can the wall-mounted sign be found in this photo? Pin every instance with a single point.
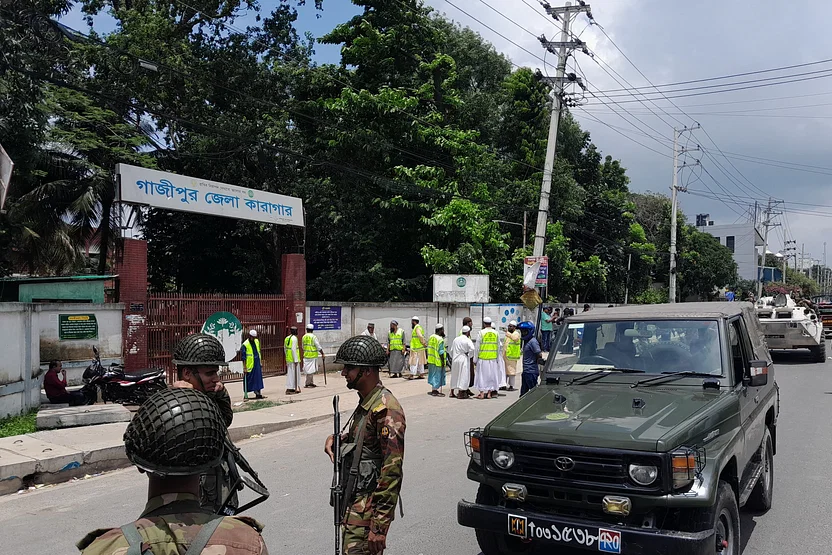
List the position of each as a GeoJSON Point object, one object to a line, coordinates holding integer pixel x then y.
{"type": "Point", "coordinates": [228, 329]}
{"type": "Point", "coordinates": [190, 194]}
{"type": "Point", "coordinates": [325, 317]}
{"type": "Point", "coordinates": [455, 288]}
{"type": "Point", "coordinates": [77, 326]}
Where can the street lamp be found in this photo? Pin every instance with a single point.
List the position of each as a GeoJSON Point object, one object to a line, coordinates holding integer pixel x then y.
{"type": "Point", "coordinates": [523, 225]}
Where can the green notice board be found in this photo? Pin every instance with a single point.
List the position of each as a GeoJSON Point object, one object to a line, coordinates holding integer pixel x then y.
{"type": "Point", "coordinates": [77, 326]}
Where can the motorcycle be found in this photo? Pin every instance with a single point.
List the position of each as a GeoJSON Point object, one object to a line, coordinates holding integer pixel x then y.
{"type": "Point", "coordinates": [118, 386]}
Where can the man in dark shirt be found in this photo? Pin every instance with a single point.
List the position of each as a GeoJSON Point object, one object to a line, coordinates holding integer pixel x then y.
{"type": "Point", "coordinates": [55, 386]}
{"type": "Point", "coordinates": [532, 357]}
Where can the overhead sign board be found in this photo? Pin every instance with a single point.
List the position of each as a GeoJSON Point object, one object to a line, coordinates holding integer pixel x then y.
{"type": "Point", "coordinates": [6, 166]}
{"type": "Point", "coordinates": [460, 288]}
{"type": "Point", "coordinates": [202, 196]}
{"type": "Point", "coordinates": [543, 270]}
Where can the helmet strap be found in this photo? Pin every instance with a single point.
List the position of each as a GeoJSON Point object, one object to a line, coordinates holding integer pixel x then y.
{"type": "Point", "coordinates": [198, 375]}
{"type": "Point", "coordinates": [353, 384]}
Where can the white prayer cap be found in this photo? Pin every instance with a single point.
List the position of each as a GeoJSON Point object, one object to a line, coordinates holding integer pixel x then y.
{"type": "Point", "coordinates": [310, 326]}
{"type": "Point", "coordinates": [465, 329]}
{"type": "Point", "coordinates": [253, 333]}
{"type": "Point", "coordinates": [415, 318]}
{"type": "Point", "coordinates": [486, 320]}
{"type": "Point", "coordinates": [439, 326]}
{"type": "Point", "coordinates": [513, 323]}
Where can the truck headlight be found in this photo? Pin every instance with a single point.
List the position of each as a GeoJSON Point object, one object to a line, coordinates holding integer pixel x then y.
{"type": "Point", "coordinates": [643, 474]}
{"type": "Point", "coordinates": [503, 458]}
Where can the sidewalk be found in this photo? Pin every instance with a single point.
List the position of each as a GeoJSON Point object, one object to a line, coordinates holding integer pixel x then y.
{"type": "Point", "coordinates": [54, 456]}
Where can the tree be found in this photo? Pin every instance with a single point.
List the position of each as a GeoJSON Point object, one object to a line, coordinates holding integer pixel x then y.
{"type": "Point", "coordinates": [705, 264]}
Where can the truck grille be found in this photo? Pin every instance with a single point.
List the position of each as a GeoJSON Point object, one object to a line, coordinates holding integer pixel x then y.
{"type": "Point", "coordinates": [585, 466]}
{"type": "Point", "coordinates": [588, 467]}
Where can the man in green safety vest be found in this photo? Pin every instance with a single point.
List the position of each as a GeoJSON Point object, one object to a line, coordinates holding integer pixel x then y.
{"type": "Point", "coordinates": [396, 350]}
{"type": "Point", "coordinates": [490, 369]}
{"type": "Point", "coordinates": [436, 361]}
{"type": "Point", "coordinates": [250, 353]}
{"type": "Point", "coordinates": [311, 351]}
{"type": "Point", "coordinates": [512, 352]}
{"type": "Point", "coordinates": [290, 346]}
{"type": "Point", "coordinates": [418, 356]}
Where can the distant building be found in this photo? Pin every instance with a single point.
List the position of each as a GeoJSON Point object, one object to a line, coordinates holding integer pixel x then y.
{"type": "Point", "coordinates": [744, 240]}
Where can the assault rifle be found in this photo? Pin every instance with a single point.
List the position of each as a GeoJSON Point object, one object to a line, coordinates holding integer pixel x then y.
{"type": "Point", "coordinates": [337, 487]}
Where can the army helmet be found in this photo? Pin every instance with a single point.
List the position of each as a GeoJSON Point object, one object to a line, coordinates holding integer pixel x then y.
{"type": "Point", "coordinates": [176, 432]}
{"type": "Point", "coordinates": [199, 349]}
{"type": "Point", "coordinates": [361, 350]}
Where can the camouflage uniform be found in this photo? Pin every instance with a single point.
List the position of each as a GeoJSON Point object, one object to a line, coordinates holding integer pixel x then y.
{"type": "Point", "coordinates": [373, 509]}
{"type": "Point", "coordinates": [170, 533]}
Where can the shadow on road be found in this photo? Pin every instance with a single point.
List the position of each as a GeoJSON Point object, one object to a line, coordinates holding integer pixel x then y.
{"type": "Point", "coordinates": [802, 356]}
{"type": "Point", "coordinates": [747, 525]}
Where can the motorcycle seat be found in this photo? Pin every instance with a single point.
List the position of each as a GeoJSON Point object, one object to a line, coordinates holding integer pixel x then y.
{"type": "Point", "coordinates": [139, 375]}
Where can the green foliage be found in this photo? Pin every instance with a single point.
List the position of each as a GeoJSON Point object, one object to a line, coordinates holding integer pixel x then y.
{"type": "Point", "coordinates": [19, 425]}
{"type": "Point", "coordinates": [407, 155]}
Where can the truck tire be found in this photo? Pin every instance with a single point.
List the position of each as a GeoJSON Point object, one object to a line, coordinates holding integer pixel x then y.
{"type": "Point", "coordinates": [819, 352]}
{"type": "Point", "coordinates": [494, 543]}
{"type": "Point", "coordinates": [726, 521]}
{"type": "Point", "coordinates": [761, 495]}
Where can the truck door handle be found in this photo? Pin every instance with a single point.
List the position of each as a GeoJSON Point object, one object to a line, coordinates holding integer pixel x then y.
{"type": "Point", "coordinates": [756, 398]}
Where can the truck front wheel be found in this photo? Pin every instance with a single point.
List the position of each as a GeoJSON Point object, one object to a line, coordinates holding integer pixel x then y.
{"type": "Point", "coordinates": [494, 543]}
{"type": "Point", "coordinates": [726, 521]}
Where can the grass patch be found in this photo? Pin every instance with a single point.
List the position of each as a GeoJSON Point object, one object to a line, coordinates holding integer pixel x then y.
{"type": "Point", "coordinates": [20, 424]}
{"type": "Point", "coordinates": [257, 405]}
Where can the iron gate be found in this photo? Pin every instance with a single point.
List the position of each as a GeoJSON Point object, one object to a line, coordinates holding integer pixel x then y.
{"type": "Point", "coordinates": [172, 316]}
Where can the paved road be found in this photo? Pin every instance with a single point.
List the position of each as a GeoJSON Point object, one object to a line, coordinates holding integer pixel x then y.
{"type": "Point", "coordinates": [298, 474]}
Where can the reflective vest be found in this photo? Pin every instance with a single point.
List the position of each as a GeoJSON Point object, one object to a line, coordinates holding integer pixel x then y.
{"type": "Point", "coordinates": [290, 355]}
{"type": "Point", "coordinates": [490, 345]}
{"type": "Point", "coordinates": [513, 349]}
{"type": "Point", "coordinates": [416, 343]}
{"type": "Point", "coordinates": [396, 339]}
{"type": "Point", "coordinates": [434, 345]}
{"type": "Point", "coordinates": [250, 353]}
{"type": "Point", "coordinates": [309, 348]}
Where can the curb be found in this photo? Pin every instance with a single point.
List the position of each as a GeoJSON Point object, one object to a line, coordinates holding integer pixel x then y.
{"type": "Point", "coordinates": [22, 472]}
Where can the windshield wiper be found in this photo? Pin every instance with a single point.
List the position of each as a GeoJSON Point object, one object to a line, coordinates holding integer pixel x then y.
{"type": "Point", "coordinates": [671, 376]}
{"type": "Point", "coordinates": [600, 372]}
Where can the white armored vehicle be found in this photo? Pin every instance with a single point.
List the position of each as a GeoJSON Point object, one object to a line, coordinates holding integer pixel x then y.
{"type": "Point", "coordinates": [790, 326]}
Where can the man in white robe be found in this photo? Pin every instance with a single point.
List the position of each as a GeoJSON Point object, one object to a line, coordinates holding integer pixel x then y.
{"type": "Point", "coordinates": [311, 352]}
{"type": "Point", "coordinates": [462, 355]}
{"type": "Point", "coordinates": [292, 362]}
{"type": "Point", "coordinates": [490, 372]}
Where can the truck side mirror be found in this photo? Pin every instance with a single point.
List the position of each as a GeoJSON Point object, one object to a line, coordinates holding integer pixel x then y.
{"type": "Point", "coordinates": [758, 373]}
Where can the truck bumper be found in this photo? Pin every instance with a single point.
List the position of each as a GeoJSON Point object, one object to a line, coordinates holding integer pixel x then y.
{"type": "Point", "coordinates": [549, 529]}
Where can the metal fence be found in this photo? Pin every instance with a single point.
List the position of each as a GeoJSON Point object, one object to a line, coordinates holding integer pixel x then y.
{"type": "Point", "coordinates": [172, 316]}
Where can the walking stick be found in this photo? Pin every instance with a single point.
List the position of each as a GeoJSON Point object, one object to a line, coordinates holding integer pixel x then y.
{"type": "Point", "coordinates": [323, 360]}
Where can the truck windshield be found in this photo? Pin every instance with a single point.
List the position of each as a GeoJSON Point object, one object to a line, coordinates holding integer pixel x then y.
{"type": "Point", "coordinates": [652, 346]}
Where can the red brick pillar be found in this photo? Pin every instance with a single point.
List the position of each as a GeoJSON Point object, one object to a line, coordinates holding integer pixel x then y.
{"type": "Point", "coordinates": [132, 292]}
{"type": "Point", "coordinates": [293, 279]}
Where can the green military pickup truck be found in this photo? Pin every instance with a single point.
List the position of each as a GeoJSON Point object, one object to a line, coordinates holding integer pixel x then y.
{"type": "Point", "coordinates": [653, 427]}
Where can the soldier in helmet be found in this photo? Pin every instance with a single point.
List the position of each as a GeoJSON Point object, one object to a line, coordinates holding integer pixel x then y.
{"type": "Point", "coordinates": [198, 358]}
{"type": "Point", "coordinates": [375, 438]}
{"type": "Point", "coordinates": [174, 437]}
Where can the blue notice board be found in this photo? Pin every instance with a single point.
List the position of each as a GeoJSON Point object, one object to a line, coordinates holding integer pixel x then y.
{"type": "Point", "coordinates": [325, 317]}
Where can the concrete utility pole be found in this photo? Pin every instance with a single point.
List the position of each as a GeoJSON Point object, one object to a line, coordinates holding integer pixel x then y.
{"type": "Point", "coordinates": [674, 206]}
{"type": "Point", "coordinates": [769, 212]}
{"type": "Point", "coordinates": [786, 255]}
{"type": "Point", "coordinates": [565, 15]}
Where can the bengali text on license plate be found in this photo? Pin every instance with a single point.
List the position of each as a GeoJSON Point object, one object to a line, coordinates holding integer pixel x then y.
{"type": "Point", "coordinates": [600, 539]}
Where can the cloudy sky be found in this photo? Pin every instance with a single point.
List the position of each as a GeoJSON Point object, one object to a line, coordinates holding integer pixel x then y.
{"type": "Point", "coordinates": [773, 138]}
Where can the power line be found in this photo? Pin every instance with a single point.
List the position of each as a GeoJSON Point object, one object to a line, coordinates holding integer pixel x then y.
{"type": "Point", "coordinates": [722, 77]}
